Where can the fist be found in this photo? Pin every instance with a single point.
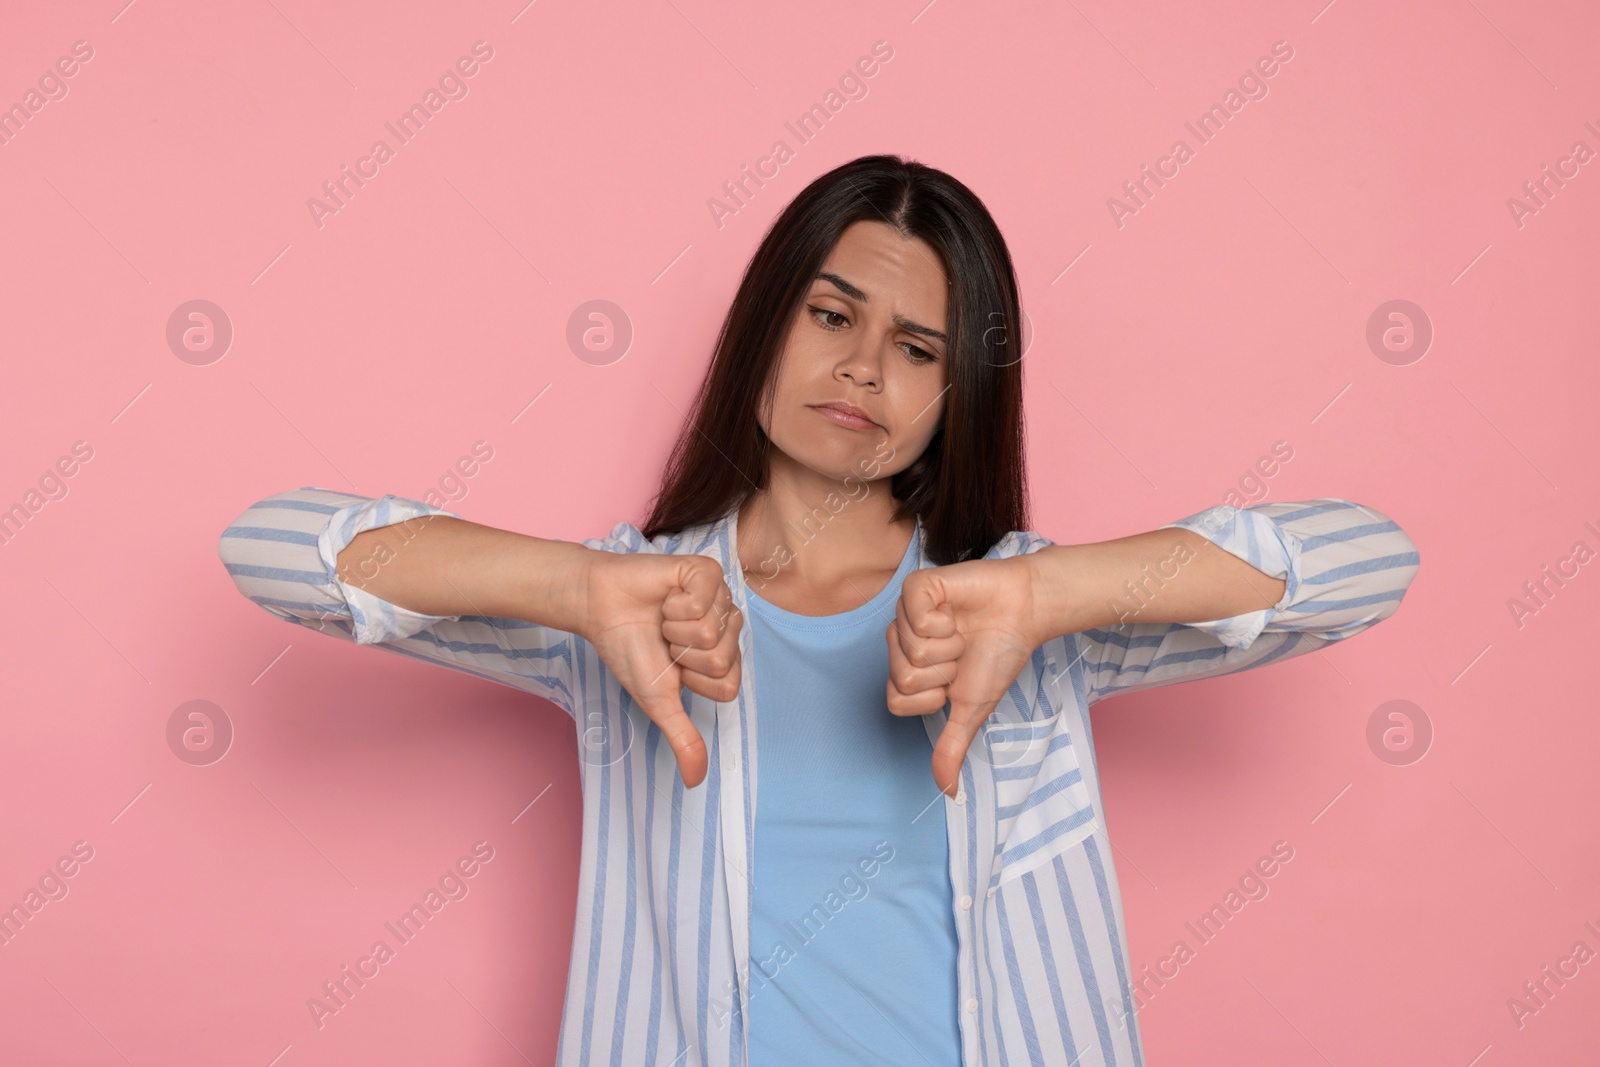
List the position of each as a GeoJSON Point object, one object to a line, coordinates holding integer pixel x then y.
{"type": "Point", "coordinates": [661, 623]}
{"type": "Point", "coordinates": [961, 634]}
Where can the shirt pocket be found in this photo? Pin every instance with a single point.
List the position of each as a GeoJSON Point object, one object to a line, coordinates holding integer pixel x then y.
{"type": "Point", "coordinates": [1043, 807]}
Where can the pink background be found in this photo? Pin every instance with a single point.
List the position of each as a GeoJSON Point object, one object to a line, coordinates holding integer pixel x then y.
{"type": "Point", "coordinates": [371, 353]}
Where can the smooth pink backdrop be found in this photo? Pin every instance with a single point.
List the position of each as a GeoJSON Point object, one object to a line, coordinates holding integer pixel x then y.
{"type": "Point", "coordinates": [370, 353]}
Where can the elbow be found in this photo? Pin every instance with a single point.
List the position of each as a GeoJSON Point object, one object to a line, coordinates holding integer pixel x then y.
{"type": "Point", "coordinates": [1401, 562]}
{"type": "Point", "coordinates": [231, 551]}
{"type": "Point", "coordinates": [1388, 543]}
{"type": "Point", "coordinates": [237, 547]}
{"type": "Point", "coordinates": [268, 553]}
{"type": "Point", "coordinates": [1380, 561]}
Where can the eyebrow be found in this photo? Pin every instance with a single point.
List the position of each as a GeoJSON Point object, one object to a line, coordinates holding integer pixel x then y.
{"type": "Point", "coordinates": [899, 320]}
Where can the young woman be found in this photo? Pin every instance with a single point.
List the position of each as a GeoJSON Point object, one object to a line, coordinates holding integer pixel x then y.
{"type": "Point", "coordinates": [902, 858]}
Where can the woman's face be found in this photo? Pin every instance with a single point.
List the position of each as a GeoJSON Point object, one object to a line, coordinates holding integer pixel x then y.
{"type": "Point", "coordinates": [870, 334]}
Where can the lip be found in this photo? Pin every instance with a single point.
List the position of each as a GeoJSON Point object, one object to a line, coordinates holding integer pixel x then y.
{"type": "Point", "coordinates": [846, 415]}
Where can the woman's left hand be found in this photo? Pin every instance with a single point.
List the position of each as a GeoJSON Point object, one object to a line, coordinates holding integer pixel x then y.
{"type": "Point", "coordinates": [961, 633]}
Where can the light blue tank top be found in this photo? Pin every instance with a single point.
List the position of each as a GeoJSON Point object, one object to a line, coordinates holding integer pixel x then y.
{"type": "Point", "coordinates": [852, 939]}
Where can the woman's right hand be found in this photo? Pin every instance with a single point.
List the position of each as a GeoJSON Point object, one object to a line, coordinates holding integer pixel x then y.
{"type": "Point", "coordinates": [661, 622]}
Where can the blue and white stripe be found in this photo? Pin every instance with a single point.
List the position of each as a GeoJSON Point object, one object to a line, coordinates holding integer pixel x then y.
{"type": "Point", "coordinates": [660, 953]}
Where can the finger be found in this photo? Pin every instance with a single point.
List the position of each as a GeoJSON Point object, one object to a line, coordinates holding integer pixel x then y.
{"type": "Point", "coordinates": [926, 702]}
{"type": "Point", "coordinates": [950, 751]}
{"type": "Point", "coordinates": [733, 623]}
{"type": "Point", "coordinates": [707, 645]}
{"type": "Point", "coordinates": [914, 651]}
{"type": "Point", "coordinates": [910, 681]}
{"type": "Point", "coordinates": [911, 653]}
{"type": "Point", "coordinates": [666, 711]}
{"type": "Point", "coordinates": [907, 681]}
{"type": "Point", "coordinates": [703, 630]}
{"type": "Point", "coordinates": [921, 605]}
{"type": "Point", "coordinates": [722, 688]}
{"type": "Point", "coordinates": [700, 583]}
{"type": "Point", "coordinates": [711, 662]}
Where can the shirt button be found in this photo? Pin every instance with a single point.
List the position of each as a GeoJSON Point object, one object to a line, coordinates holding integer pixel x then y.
{"type": "Point", "coordinates": [961, 796]}
{"type": "Point", "coordinates": [966, 903]}
{"type": "Point", "coordinates": [972, 1005]}
{"type": "Point", "coordinates": [730, 762]}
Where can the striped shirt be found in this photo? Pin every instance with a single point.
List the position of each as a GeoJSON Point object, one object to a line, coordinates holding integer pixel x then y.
{"type": "Point", "coordinates": [659, 973]}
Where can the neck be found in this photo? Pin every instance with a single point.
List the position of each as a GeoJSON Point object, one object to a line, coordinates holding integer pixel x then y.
{"type": "Point", "coordinates": [813, 528]}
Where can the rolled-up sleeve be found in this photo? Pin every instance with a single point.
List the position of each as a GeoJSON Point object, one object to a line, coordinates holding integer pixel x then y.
{"type": "Point", "coordinates": [1345, 567]}
{"type": "Point", "coordinates": [282, 554]}
{"type": "Point", "coordinates": [1265, 544]}
{"type": "Point", "coordinates": [374, 619]}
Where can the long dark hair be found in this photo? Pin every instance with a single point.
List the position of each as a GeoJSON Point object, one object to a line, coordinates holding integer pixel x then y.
{"type": "Point", "coordinates": [969, 484]}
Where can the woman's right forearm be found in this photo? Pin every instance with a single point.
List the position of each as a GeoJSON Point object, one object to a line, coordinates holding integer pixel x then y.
{"type": "Point", "coordinates": [440, 565]}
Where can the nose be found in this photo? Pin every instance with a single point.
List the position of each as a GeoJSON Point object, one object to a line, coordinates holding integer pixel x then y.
{"type": "Point", "coordinates": [863, 366]}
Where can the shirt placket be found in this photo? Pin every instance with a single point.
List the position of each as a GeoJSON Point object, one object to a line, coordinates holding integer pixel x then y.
{"type": "Point", "coordinates": [962, 904]}
{"type": "Point", "coordinates": [738, 776]}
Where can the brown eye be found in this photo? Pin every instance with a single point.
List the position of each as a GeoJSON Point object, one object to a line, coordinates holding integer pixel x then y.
{"type": "Point", "coordinates": [826, 311]}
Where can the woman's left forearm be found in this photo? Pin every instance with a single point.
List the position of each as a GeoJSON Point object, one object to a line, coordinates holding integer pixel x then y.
{"type": "Point", "coordinates": [1170, 575]}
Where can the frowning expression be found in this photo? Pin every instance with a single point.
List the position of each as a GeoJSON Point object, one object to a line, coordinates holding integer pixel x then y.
{"type": "Point", "coordinates": [864, 368]}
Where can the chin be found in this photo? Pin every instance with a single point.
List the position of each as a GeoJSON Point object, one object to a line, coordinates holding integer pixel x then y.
{"type": "Point", "coordinates": [835, 464]}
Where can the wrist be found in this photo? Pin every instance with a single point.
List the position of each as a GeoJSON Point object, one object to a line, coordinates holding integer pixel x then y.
{"type": "Point", "coordinates": [556, 590]}
{"type": "Point", "coordinates": [1065, 601]}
